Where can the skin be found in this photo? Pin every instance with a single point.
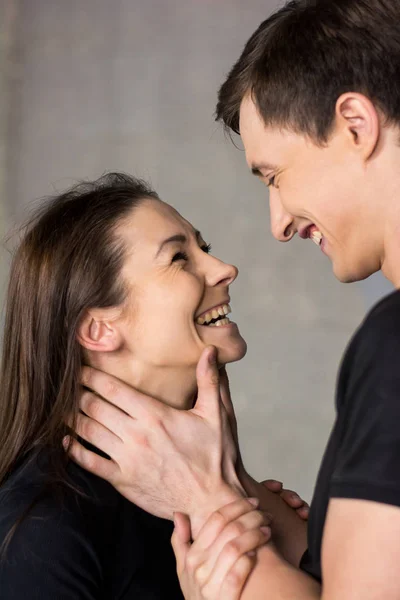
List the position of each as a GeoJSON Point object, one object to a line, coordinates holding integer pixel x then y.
{"type": "Point", "coordinates": [346, 188]}
{"type": "Point", "coordinates": [152, 342]}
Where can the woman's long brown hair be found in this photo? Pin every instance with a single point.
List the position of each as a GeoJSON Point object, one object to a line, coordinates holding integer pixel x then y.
{"type": "Point", "coordinates": [69, 260]}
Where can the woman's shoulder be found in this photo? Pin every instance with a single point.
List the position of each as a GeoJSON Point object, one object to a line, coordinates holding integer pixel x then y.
{"type": "Point", "coordinates": [32, 494]}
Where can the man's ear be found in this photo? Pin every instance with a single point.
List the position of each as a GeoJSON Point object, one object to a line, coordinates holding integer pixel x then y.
{"type": "Point", "coordinates": [99, 331]}
{"type": "Point", "coordinates": [357, 116]}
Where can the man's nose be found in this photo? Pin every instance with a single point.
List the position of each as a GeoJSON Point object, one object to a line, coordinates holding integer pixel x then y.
{"type": "Point", "coordinates": [282, 222]}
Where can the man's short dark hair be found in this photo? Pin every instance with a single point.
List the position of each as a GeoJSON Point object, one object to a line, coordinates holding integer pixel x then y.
{"type": "Point", "coordinates": [305, 55]}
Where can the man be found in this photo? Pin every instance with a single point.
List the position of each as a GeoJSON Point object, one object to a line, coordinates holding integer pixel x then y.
{"type": "Point", "coordinates": [315, 97]}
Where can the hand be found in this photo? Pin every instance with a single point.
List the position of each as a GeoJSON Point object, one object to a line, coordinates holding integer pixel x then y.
{"type": "Point", "coordinates": [217, 564]}
{"type": "Point", "coordinates": [162, 459]}
{"type": "Point", "coordinates": [291, 498]}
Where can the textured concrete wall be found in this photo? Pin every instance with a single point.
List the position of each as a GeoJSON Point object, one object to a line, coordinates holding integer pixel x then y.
{"type": "Point", "coordinates": [8, 75]}
{"type": "Point", "coordinates": [131, 85]}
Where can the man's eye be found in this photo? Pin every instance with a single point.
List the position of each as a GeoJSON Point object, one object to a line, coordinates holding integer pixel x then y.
{"type": "Point", "coordinates": [206, 248]}
{"type": "Point", "coordinates": [180, 256]}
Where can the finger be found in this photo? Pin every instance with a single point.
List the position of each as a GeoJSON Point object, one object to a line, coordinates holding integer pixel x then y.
{"type": "Point", "coordinates": [181, 539]}
{"type": "Point", "coordinates": [235, 549]}
{"type": "Point", "coordinates": [250, 521]}
{"type": "Point", "coordinates": [273, 485]}
{"type": "Point", "coordinates": [96, 434]}
{"type": "Point", "coordinates": [303, 512]}
{"type": "Point", "coordinates": [219, 519]}
{"type": "Point", "coordinates": [117, 392]}
{"type": "Point", "coordinates": [92, 462]}
{"type": "Point", "coordinates": [208, 396]}
{"type": "Point", "coordinates": [292, 499]}
{"type": "Point", "coordinates": [236, 578]}
{"type": "Point", "coordinates": [112, 417]}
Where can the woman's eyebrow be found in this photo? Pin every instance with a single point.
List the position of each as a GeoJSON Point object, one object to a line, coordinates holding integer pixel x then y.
{"type": "Point", "coordinates": [178, 237]}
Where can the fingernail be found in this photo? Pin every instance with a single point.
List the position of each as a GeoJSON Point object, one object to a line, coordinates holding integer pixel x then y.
{"type": "Point", "coordinates": [254, 501]}
{"type": "Point", "coordinates": [266, 531]}
{"type": "Point", "coordinates": [251, 553]}
{"type": "Point", "coordinates": [212, 357]}
{"type": "Point", "coordinates": [65, 442]}
{"type": "Point", "coordinates": [295, 496]}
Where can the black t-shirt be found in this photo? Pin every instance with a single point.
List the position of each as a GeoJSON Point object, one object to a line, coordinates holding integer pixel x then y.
{"type": "Point", "coordinates": [362, 458]}
{"type": "Point", "coordinates": [72, 547]}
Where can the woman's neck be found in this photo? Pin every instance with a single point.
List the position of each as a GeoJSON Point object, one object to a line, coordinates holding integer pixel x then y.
{"type": "Point", "coordinates": [173, 386]}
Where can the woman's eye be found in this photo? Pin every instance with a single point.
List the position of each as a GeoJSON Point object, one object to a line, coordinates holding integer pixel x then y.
{"type": "Point", "coordinates": [206, 248]}
{"type": "Point", "coordinates": [180, 256]}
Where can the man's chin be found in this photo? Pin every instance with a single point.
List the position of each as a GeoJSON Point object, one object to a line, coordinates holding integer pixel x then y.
{"type": "Point", "coordinates": [346, 275]}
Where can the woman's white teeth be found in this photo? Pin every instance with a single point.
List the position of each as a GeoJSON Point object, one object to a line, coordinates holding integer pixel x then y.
{"type": "Point", "coordinates": [220, 311]}
{"type": "Point", "coordinates": [219, 323]}
{"type": "Point", "coordinates": [316, 237]}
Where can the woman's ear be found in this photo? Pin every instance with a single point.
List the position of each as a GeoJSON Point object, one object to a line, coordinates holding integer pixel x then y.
{"type": "Point", "coordinates": [99, 331]}
{"type": "Point", "coordinates": [357, 117]}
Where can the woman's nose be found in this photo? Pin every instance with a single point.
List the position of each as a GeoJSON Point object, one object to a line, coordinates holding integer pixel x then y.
{"type": "Point", "coordinates": [282, 222]}
{"type": "Point", "coordinates": [220, 273]}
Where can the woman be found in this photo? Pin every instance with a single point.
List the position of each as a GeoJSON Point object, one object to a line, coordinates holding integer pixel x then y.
{"type": "Point", "coordinates": [110, 276]}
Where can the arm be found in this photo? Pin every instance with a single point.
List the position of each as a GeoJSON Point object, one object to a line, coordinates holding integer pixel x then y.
{"type": "Point", "coordinates": [289, 531]}
{"type": "Point", "coordinates": [360, 558]}
{"type": "Point", "coordinates": [356, 565]}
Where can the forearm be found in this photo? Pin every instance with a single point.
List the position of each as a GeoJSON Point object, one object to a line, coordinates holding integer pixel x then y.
{"type": "Point", "coordinates": [289, 531]}
{"type": "Point", "coordinates": [275, 579]}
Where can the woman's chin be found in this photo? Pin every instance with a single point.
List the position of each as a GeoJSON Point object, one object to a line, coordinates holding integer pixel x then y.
{"type": "Point", "coordinates": [228, 341]}
{"type": "Point", "coordinates": [231, 352]}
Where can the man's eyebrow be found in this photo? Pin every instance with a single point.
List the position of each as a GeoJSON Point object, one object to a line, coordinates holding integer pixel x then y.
{"type": "Point", "coordinates": [178, 237]}
{"type": "Point", "coordinates": [256, 169]}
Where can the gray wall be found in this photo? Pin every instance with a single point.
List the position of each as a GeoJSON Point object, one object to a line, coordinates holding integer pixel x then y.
{"type": "Point", "coordinates": [98, 85]}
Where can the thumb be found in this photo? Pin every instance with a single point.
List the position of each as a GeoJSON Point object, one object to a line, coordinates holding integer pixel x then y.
{"type": "Point", "coordinates": [181, 539]}
{"type": "Point", "coordinates": [226, 393]}
{"type": "Point", "coordinates": [227, 402]}
{"type": "Point", "coordinates": [207, 375]}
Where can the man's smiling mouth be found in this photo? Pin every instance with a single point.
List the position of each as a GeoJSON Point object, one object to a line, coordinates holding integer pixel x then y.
{"type": "Point", "coordinates": [313, 233]}
{"type": "Point", "coordinates": [215, 317]}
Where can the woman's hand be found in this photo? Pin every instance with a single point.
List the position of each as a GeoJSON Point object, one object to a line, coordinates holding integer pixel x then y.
{"type": "Point", "coordinates": [162, 459]}
{"type": "Point", "coordinates": [291, 498]}
{"type": "Point", "coordinates": [217, 564]}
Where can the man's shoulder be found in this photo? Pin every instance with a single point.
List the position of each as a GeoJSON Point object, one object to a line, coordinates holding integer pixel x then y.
{"type": "Point", "coordinates": [380, 326]}
{"type": "Point", "coordinates": [385, 313]}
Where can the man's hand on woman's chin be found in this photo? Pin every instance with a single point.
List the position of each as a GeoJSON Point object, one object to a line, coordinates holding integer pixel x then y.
{"type": "Point", "coordinates": [162, 459]}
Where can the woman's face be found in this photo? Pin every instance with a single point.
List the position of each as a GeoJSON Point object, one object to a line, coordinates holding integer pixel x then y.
{"type": "Point", "coordinates": [172, 280]}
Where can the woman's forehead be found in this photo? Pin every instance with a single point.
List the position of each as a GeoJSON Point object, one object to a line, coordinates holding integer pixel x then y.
{"type": "Point", "coordinates": [152, 221]}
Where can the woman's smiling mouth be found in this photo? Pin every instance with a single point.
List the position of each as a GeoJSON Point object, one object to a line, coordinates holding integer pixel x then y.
{"type": "Point", "coordinates": [215, 317]}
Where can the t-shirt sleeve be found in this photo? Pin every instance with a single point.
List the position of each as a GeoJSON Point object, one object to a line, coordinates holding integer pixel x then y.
{"type": "Point", "coordinates": [368, 461]}
{"type": "Point", "coordinates": [50, 557]}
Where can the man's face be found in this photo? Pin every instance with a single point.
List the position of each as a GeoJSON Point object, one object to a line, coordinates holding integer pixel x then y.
{"type": "Point", "coordinates": [321, 192]}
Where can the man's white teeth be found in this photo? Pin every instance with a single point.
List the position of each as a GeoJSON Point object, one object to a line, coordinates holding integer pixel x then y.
{"type": "Point", "coordinates": [220, 311]}
{"type": "Point", "coordinates": [316, 237]}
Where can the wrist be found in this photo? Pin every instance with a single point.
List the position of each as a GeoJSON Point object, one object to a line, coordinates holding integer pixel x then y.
{"type": "Point", "coordinates": [225, 495]}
